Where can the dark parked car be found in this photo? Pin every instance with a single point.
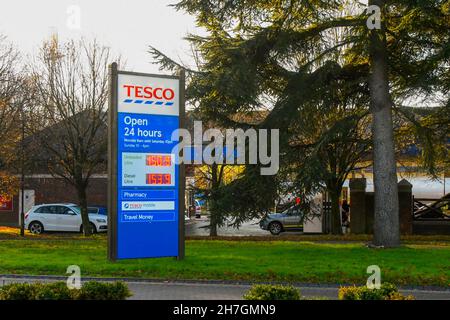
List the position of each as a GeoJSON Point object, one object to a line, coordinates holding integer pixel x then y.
{"type": "Point", "coordinates": [98, 210]}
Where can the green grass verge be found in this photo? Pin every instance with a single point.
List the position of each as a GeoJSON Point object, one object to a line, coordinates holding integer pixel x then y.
{"type": "Point", "coordinates": [237, 260]}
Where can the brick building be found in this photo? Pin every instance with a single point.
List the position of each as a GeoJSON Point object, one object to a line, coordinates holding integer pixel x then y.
{"type": "Point", "coordinates": [39, 184]}
{"type": "Point", "coordinates": [44, 188]}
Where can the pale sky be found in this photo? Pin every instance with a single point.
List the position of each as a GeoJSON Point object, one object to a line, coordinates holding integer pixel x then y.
{"type": "Point", "coordinates": [126, 26]}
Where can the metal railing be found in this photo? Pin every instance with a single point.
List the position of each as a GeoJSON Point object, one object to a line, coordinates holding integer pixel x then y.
{"type": "Point", "coordinates": [431, 209]}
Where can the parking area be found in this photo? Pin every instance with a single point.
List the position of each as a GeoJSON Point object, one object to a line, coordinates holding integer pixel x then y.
{"type": "Point", "coordinates": [198, 227]}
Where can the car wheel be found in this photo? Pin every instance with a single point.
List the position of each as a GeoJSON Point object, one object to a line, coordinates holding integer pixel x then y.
{"type": "Point", "coordinates": [93, 228]}
{"type": "Point", "coordinates": [36, 227]}
{"type": "Point", "coordinates": [275, 228]}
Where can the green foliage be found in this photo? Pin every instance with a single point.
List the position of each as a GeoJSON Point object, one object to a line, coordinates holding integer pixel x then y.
{"type": "Point", "coordinates": [53, 291]}
{"type": "Point", "coordinates": [17, 291]}
{"type": "Point", "coordinates": [94, 290]}
{"type": "Point", "coordinates": [307, 63]}
{"type": "Point", "coordinates": [91, 290]}
{"type": "Point", "coordinates": [387, 291]}
{"type": "Point", "coordinates": [272, 292]}
{"type": "Point", "coordinates": [35, 291]}
{"type": "Point", "coordinates": [247, 197]}
{"type": "Point", "coordinates": [429, 129]}
{"type": "Point", "coordinates": [260, 56]}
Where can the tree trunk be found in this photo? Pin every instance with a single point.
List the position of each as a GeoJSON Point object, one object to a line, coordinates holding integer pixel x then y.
{"type": "Point", "coordinates": [336, 227]}
{"type": "Point", "coordinates": [213, 206]}
{"type": "Point", "coordinates": [213, 223]}
{"type": "Point", "coordinates": [82, 199]}
{"type": "Point", "coordinates": [386, 215]}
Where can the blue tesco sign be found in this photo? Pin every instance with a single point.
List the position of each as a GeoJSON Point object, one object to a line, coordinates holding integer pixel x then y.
{"type": "Point", "coordinates": [147, 214]}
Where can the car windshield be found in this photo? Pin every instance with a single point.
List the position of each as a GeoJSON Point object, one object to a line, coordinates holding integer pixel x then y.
{"type": "Point", "coordinates": [76, 209]}
{"type": "Point", "coordinates": [295, 210]}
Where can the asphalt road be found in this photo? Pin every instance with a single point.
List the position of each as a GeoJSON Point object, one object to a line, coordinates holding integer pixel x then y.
{"type": "Point", "coordinates": [192, 290]}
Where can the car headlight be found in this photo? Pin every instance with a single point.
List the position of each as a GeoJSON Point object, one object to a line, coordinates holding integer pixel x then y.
{"type": "Point", "coordinates": [101, 220]}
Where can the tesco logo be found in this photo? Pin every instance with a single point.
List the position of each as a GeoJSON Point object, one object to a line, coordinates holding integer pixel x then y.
{"type": "Point", "coordinates": [135, 206]}
{"type": "Point", "coordinates": [131, 206]}
{"type": "Point", "coordinates": [139, 93]}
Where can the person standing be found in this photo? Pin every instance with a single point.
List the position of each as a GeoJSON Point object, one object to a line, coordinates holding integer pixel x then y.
{"type": "Point", "coordinates": [345, 216]}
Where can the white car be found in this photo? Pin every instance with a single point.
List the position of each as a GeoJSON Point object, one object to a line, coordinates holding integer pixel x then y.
{"type": "Point", "coordinates": [198, 209]}
{"type": "Point", "coordinates": [61, 217]}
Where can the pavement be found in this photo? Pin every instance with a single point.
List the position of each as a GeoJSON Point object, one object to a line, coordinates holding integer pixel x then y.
{"type": "Point", "coordinates": [215, 290]}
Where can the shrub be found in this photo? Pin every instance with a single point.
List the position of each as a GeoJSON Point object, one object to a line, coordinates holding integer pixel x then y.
{"type": "Point", "coordinates": [52, 291]}
{"type": "Point", "coordinates": [387, 291]}
{"type": "Point", "coordinates": [272, 292]}
{"type": "Point", "coordinates": [94, 290]}
{"type": "Point", "coordinates": [17, 291]}
{"type": "Point", "coordinates": [91, 290]}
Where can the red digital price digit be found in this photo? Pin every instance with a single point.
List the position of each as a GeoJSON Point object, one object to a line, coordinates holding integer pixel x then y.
{"type": "Point", "coordinates": [167, 161]}
{"type": "Point", "coordinates": [159, 178]}
{"type": "Point", "coordinates": [167, 179]}
{"type": "Point", "coordinates": [158, 161]}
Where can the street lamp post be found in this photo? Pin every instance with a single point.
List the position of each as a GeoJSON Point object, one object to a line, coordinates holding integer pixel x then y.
{"type": "Point", "coordinates": [22, 175]}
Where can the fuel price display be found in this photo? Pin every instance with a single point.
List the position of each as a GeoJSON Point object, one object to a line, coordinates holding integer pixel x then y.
{"type": "Point", "coordinates": [159, 160]}
{"type": "Point", "coordinates": [159, 179]}
{"type": "Point", "coordinates": [148, 169]}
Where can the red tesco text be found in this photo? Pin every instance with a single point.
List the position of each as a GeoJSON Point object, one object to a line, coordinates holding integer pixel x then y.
{"type": "Point", "coordinates": [149, 92]}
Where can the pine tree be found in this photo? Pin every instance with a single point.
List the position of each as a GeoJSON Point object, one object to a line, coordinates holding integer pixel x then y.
{"type": "Point", "coordinates": [278, 56]}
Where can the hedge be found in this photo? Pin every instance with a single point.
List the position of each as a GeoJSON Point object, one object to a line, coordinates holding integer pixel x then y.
{"type": "Point", "coordinates": [272, 292]}
{"type": "Point", "coordinates": [92, 290]}
{"type": "Point", "coordinates": [387, 291]}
